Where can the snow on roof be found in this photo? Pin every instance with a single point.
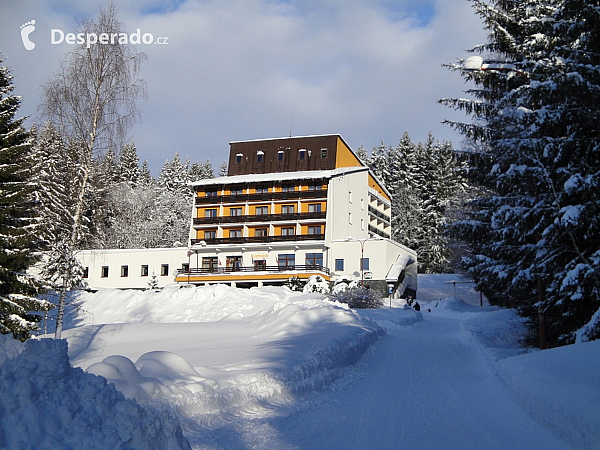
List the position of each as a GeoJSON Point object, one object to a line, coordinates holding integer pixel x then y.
{"type": "Point", "coordinates": [279, 176]}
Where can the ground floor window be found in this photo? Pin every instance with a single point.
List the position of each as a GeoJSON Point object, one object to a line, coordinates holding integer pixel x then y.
{"type": "Point", "coordinates": [234, 262]}
{"type": "Point", "coordinates": [144, 271]}
{"type": "Point", "coordinates": [339, 264]}
{"type": "Point", "coordinates": [164, 270]}
{"type": "Point", "coordinates": [260, 264]}
{"type": "Point", "coordinates": [210, 263]}
{"type": "Point", "coordinates": [314, 259]}
{"type": "Point", "coordinates": [286, 260]}
{"type": "Point", "coordinates": [86, 272]}
{"type": "Point", "coordinates": [104, 272]}
{"type": "Point", "coordinates": [364, 263]}
{"type": "Point", "coordinates": [124, 271]}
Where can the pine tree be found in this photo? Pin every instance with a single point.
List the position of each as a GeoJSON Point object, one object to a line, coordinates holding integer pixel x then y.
{"type": "Point", "coordinates": [18, 302]}
{"type": "Point", "coordinates": [129, 164]}
{"type": "Point", "coordinates": [146, 178]}
{"type": "Point", "coordinates": [537, 237]}
{"type": "Point", "coordinates": [223, 169]}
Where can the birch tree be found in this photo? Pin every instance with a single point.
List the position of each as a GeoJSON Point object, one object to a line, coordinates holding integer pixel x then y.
{"type": "Point", "coordinates": [92, 101]}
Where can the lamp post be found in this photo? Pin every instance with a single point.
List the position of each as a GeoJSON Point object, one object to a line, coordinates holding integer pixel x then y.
{"type": "Point", "coordinates": [362, 253]}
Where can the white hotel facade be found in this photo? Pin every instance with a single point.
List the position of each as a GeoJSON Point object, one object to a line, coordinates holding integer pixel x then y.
{"type": "Point", "coordinates": [296, 206]}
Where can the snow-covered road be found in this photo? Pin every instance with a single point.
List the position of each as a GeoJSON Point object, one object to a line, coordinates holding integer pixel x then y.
{"type": "Point", "coordinates": [427, 386]}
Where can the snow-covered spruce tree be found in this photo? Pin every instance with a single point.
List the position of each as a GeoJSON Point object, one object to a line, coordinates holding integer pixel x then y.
{"type": "Point", "coordinates": [421, 178]}
{"type": "Point", "coordinates": [18, 228]}
{"type": "Point", "coordinates": [57, 180]}
{"type": "Point", "coordinates": [537, 239]}
{"type": "Point", "coordinates": [223, 169]}
{"type": "Point", "coordinates": [129, 164]}
{"type": "Point", "coordinates": [91, 100]}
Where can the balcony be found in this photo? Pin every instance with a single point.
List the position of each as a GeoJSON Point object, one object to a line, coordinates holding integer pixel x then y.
{"type": "Point", "coordinates": [384, 217]}
{"type": "Point", "coordinates": [270, 196]}
{"type": "Point", "coordinates": [260, 239]}
{"type": "Point", "coordinates": [232, 270]}
{"type": "Point", "coordinates": [258, 218]}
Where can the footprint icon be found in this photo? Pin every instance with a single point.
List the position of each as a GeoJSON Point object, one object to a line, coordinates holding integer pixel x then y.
{"type": "Point", "coordinates": [26, 30]}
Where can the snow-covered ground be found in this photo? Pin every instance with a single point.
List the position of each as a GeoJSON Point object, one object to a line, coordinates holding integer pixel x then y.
{"type": "Point", "coordinates": [269, 368]}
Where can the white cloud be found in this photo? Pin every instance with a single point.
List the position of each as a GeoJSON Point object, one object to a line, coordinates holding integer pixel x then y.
{"type": "Point", "coordinates": [240, 69]}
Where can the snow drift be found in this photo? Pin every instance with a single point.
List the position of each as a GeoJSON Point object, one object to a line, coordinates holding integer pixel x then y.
{"type": "Point", "coordinates": [47, 404]}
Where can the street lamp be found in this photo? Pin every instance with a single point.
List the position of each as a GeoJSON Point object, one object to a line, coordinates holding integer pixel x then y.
{"type": "Point", "coordinates": [476, 63]}
{"type": "Point", "coordinates": [362, 254]}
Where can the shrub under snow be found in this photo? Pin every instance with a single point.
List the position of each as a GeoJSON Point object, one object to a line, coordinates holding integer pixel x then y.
{"type": "Point", "coordinates": [359, 297]}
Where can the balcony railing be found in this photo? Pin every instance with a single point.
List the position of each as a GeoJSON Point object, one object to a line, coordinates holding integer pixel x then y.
{"type": "Point", "coordinates": [379, 232]}
{"type": "Point", "coordinates": [260, 239]}
{"type": "Point", "coordinates": [259, 218]}
{"type": "Point", "coordinates": [243, 198]}
{"type": "Point", "coordinates": [380, 215]}
{"type": "Point", "coordinates": [194, 271]}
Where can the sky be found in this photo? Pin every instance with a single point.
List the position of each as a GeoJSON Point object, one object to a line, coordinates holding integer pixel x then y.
{"type": "Point", "coordinates": [234, 70]}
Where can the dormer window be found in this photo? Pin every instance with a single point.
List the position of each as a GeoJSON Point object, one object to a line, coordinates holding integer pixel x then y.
{"type": "Point", "coordinates": [280, 155]}
{"type": "Point", "coordinates": [259, 156]}
{"type": "Point", "coordinates": [302, 153]}
{"type": "Point", "coordinates": [238, 158]}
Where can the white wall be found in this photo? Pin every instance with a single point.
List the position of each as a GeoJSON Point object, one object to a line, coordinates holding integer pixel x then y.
{"type": "Point", "coordinates": [154, 258]}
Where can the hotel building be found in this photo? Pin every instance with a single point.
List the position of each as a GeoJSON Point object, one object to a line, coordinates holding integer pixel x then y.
{"type": "Point", "coordinates": [295, 207]}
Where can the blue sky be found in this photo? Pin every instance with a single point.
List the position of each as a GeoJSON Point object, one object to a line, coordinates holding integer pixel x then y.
{"type": "Point", "coordinates": [250, 69]}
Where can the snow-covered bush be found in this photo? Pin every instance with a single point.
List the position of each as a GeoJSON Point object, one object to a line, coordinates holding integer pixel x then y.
{"type": "Point", "coordinates": [343, 285]}
{"type": "Point", "coordinates": [316, 283]}
{"type": "Point", "coordinates": [359, 297]}
{"type": "Point", "coordinates": [295, 284]}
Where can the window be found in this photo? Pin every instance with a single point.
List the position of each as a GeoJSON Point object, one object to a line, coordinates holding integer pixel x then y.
{"type": "Point", "coordinates": [235, 212]}
{"type": "Point", "coordinates": [339, 264]}
{"type": "Point", "coordinates": [261, 232]}
{"type": "Point", "coordinates": [286, 260]}
{"type": "Point", "coordinates": [260, 264]}
{"type": "Point", "coordinates": [280, 155]}
{"type": "Point", "coordinates": [210, 213]}
{"type": "Point", "coordinates": [288, 231]}
{"type": "Point", "coordinates": [288, 209]}
{"type": "Point", "coordinates": [237, 191]}
{"type": "Point", "coordinates": [164, 270]}
{"type": "Point", "coordinates": [124, 271]}
{"type": "Point", "coordinates": [288, 188]}
{"type": "Point", "coordinates": [262, 189]}
{"type": "Point", "coordinates": [185, 267]}
{"type": "Point", "coordinates": [314, 259]}
{"type": "Point", "coordinates": [315, 187]}
{"type": "Point", "coordinates": [314, 229]}
{"type": "Point", "coordinates": [259, 156]}
{"type": "Point", "coordinates": [210, 263]}
{"type": "Point", "coordinates": [235, 233]}
{"type": "Point", "coordinates": [364, 263]}
{"type": "Point", "coordinates": [238, 158]}
{"type": "Point", "coordinates": [234, 262]}
{"type": "Point", "coordinates": [86, 272]}
{"type": "Point", "coordinates": [262, 210]}
{"type": "Point", "coordinates": [302, 153]}
{"type": "Point", "coordinates": [323, 153]}
{"type": "Point", "coordinates": [144, 271]}
{"type": "Point", "coordinates": [314, 207]}
{"type": "Point", "coordinates": [212, 193]}
{"type": "Point", "coordinates": [210, 234]}
{"type": "Point", "coordinates": [104, 272]}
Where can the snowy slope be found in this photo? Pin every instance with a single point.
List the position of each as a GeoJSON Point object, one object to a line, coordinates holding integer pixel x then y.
{"type": "Point", "coordinates": [269, 368]}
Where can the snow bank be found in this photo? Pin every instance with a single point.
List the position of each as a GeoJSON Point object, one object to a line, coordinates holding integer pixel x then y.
{"type": "Point", "coordinates": [47, 404]}
{"type": "Point", "coordinates": [560, 387]}
{"type": "Point", "coordinates": [210, 354]}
